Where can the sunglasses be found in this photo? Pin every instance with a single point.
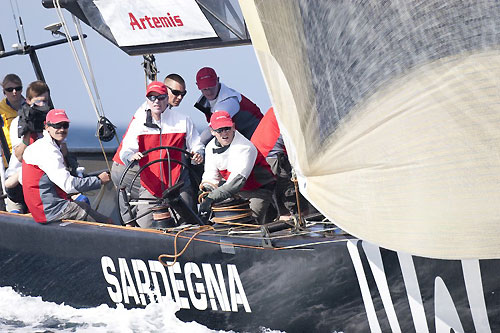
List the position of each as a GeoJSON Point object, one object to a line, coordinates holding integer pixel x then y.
{"type": "Point", "coordinates": [64, 125]}
{"type": "Point", "coordinates": [223, 129]}
{"type": "Point", "coordinates": [153, 98]}
{"type": "Point", "coordinates": [11, 89]}
{"type": "Point", "coordinates": [178, 92]}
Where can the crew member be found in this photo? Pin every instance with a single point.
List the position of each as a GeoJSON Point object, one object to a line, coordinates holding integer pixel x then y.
{"type": "Point", "coordinates": [152, 128]}
{"type": "Point", "coordinates": [12, 89]}
{"type": "Point", "coordinates": [176, 90]}
{"type": "Point", "coordinates": [46, 181]}
{"type": "Point", "coordinates": [268, 140]}
{"type": "Point", "coordinates": [232, 158]}
{"type": "Point", "coordinates": [217, 96]}
{"type": "Point", "coordinates": [37, 99]}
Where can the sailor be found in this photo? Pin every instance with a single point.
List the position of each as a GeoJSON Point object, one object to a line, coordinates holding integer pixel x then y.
{"type": "Point", "coordinates": [152, 128]}
{"type": "Point", "coordinates": [12, 89]}
{"type": "Point", "coordinates": [217, 96]}
{"type": "Point", "coordinates": [37, 99]}
{"type": "Point", "coordinates": [46, 181]}
{"type": "Point", "coordinates": [234, 160]}
{"type": "Point", "coordinates": [268, 140]}
{"type": "Point", "coordinates": [176, 90]}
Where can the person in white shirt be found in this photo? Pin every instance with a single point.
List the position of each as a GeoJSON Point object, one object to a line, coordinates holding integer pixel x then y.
{"type": "Point", "coordinates": [37, 96]}
{"type": "Point", "coordinates": [216, 96]}
{"type": "Point", "coordinates": [233, 160]}
{"type": "Point", "coordinates": [176, 90]}
{"type": "Point", "coordinates": [154, 128]}
{"type": "Point", "coordinates": [47, 183]}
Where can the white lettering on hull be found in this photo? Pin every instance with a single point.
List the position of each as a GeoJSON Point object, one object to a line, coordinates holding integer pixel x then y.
{"type": "Point", "coordinates": [190, 286]}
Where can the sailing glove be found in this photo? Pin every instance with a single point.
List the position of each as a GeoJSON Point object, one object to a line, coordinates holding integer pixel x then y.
{"type": "Point", "coordinates": [205, 208]}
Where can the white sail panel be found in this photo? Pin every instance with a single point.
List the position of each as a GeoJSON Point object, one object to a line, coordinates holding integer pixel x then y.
{"type": "Point", "coordinates": [150, 22]}
{"type": "Point", "coordinates": [392, 111]}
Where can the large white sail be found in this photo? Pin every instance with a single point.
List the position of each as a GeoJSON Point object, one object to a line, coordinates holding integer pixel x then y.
{"type": "Point", "coordinates": [392, 114]}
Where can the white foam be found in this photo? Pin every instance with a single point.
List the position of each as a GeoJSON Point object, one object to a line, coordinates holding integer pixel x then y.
{"type": "Point", "coordinates": [27, 314]}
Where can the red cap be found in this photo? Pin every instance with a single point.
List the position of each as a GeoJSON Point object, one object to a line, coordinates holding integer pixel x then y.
{"type": "Point", "coordinates": [206, 78]}
{"type": "Point", "coordinates": [56, 116]}
{"type": "Point", "coordinates": [156, 86]}
{"type": "Point", "coordinates": [220, 119]}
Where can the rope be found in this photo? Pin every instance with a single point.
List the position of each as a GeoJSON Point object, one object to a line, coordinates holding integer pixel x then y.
{"type": "Point", "coordinates": [206, 188]}
{"type": "Point", "coordinates": [83, 45]}
{"type": "Point", "coordinates": [19, 27]}
{"type": "Point", "coordinates": [156, 231]}
{"type": "Point", "coordinates": [231, 218]}
{"type": "Point", "coordinates": [60, 14]}
{"type": "Point", "coordinates": [237, 224]}
{"type": "Point", "coordinates": [178, 254]}
{"type": "Point", "coordinates": [75, 54]}
{"type": "Point", "coordinates": [295, 184]}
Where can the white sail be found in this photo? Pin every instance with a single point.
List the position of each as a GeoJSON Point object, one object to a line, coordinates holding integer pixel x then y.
{"type": "Point", "coordinates": [392, 114]}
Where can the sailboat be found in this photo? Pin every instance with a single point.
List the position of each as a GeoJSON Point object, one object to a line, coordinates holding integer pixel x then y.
{"type": "Point", "coordinates": [390, 118]}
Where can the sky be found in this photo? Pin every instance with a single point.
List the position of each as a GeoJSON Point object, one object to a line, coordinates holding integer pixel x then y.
{"type": "Point", "coordinates": [120, 77]}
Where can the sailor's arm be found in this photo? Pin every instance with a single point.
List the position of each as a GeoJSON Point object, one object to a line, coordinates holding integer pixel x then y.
{"type": "Point", "coordinates": [193, 143]}
{"type": "Point", "coordinates": [53, 165]}
{"type": "Point", "coordinates": [228, 190]}
{"type": "Point", "coordinates": [130, 144]}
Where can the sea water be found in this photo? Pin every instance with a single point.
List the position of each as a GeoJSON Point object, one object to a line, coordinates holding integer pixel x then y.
{"type": "Point", "coordinates": [31, 314]}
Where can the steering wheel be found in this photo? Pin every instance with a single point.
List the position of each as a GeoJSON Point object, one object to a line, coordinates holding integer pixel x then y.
{"type": "Point", "coordinates": [131, 195]}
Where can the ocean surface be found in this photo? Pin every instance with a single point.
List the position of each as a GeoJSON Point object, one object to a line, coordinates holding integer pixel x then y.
{"type": "Point", "coordinates": [85, 137]}
{"type": "Point", "coordinates": [31, 314]}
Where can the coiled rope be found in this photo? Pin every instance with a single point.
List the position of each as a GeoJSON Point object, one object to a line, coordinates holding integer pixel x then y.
{"type": "Point", "coordinates": [176, 254]}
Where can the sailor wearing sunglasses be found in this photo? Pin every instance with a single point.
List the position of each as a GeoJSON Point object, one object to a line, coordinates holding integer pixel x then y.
{"type": "Point", "coordinates": [13, 91]}
{"type": "Point", "coordinates": [176, 90]}
{"type": "Point", "coordinates": [234, 163]}
{"type": "Point", "coordinates": [159, 126]}
{"type": "Point", "coordinates": [46, 181]}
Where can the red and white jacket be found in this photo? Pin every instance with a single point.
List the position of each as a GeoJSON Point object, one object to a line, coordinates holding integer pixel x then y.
{"type": "Point", "coordinates": [240, 164]}
{"type": "Point", "coordinates": [47, 182]}
{"type": "Point", "coordinates": [267, 137]}
{"type": "Point", "coordinates": [175, 129]}
{"type": "Point", "coordinates": [245, 114]}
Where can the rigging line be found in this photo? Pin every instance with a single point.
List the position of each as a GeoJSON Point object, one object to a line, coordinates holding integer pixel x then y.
{"type": "Point", "coordinates": [21, 23]}
{"type": "Point", "coordinates": [15, 21]}
{"type": "Point", "coordinates": [75, 55]}
{"type": "Point", "coordinates": [82, 72]}
{"type": "Point", "coordinates": [83, 45]}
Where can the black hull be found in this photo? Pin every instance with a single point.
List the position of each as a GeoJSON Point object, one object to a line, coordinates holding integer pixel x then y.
{"type": "Point", "coordinates": [310, 287]}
